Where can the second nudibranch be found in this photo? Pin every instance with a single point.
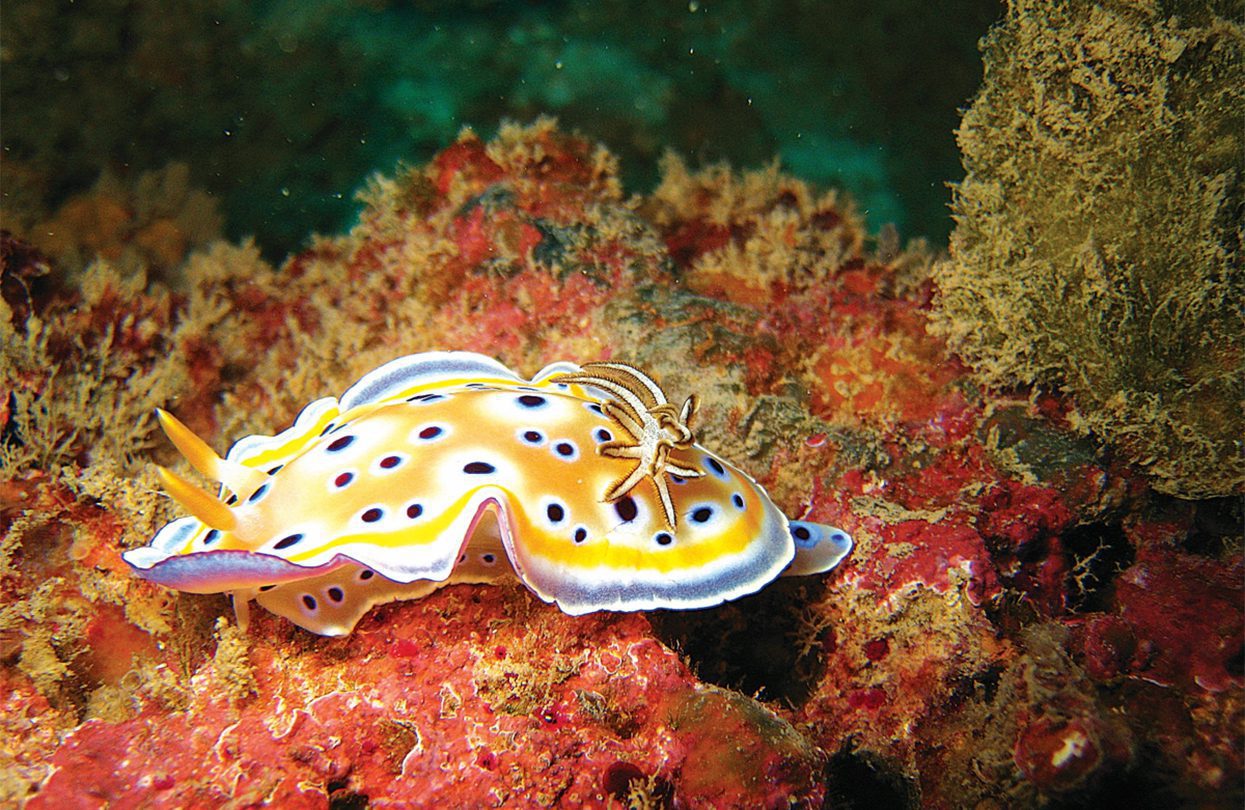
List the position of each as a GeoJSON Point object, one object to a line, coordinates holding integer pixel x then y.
{"type": "Point", "coordinates": [584, 482]}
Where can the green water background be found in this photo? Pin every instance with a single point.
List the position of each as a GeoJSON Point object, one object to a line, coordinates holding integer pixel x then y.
{"type": "Point", "coordinates": [282, 109]}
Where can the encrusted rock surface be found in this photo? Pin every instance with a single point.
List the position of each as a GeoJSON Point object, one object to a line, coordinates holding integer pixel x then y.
{"type": "Point", "coordinates": [1022, 620]}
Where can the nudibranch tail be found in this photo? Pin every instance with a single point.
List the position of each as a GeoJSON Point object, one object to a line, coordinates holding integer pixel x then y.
{"type": "Point", "coordinates": [818, 548]}
{"type": "Point", "coordinates": [206, 507]}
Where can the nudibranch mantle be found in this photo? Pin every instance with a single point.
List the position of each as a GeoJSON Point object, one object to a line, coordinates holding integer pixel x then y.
{"type": "Point", "coordinates": [447, 467]}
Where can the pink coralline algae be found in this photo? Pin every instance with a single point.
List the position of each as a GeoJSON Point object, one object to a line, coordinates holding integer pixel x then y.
{"type": "Point", "coordinates": [1183, 612]}
{"type": "Point", "coordinates": [1021, 622]}
{"type": "Point", "coordinates": [578, 713]}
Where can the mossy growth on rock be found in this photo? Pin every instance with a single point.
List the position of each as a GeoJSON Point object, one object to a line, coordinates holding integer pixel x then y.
{"type": "Point", "coordinates": [1098, 238]}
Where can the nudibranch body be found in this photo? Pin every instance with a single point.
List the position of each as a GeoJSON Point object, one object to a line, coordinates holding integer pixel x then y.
{"type": "Point", "coordinates": [447, 467]}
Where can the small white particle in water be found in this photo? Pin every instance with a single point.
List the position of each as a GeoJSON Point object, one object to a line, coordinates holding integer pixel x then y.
{"type": "Point", "coordinates": [1073, 747]}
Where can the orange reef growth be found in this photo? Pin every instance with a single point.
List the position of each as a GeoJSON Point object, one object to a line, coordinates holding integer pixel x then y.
{"type": "Point", "coordinates": [1023, 620]}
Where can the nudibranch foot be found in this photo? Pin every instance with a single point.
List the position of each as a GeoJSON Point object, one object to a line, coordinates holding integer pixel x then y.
{"type": "Point", "coordinates": [447, 467]}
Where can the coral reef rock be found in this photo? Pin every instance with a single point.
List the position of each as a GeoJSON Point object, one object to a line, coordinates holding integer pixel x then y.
{"type": "Point", "coordinates": [1021, 621]}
